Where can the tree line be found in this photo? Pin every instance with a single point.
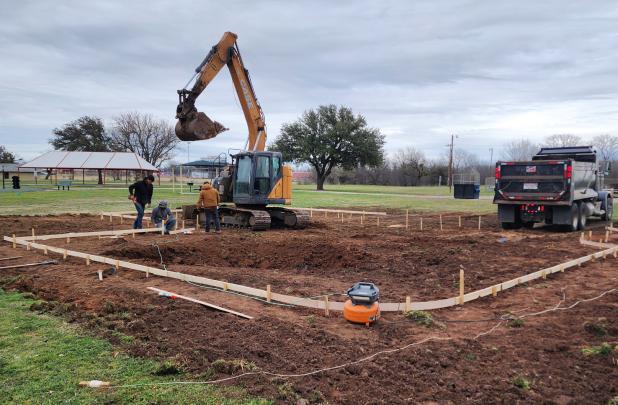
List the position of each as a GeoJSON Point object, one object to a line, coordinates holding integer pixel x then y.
{"type": "Point", "coordinates": [339, 145]}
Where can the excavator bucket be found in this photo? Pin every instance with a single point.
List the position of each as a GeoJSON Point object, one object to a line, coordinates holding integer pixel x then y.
{"type": "Point", "coordinates": [198, 129]}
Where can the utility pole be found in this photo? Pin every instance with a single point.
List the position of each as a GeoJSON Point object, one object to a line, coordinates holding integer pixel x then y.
{"type": "Point", "coordinates": [450, 163]}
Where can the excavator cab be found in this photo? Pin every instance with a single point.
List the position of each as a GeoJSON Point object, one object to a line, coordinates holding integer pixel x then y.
{"type": "Point", "coordinates": [256, 179]}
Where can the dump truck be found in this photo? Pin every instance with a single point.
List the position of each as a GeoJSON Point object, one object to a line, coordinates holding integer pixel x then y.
{"type": "Point", "coordinates": [560, 186]}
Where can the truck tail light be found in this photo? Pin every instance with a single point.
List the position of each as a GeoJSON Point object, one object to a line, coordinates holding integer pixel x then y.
{"type": "Point", "coordinates": [568, 172]}
{"type": "Point", "coordinates": [497, 175]}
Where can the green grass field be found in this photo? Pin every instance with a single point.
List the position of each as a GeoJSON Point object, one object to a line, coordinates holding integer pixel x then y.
{"type": "Point", "coordinates": [42, 360]}
{"type": "Point", "coordinates": [94, 200]}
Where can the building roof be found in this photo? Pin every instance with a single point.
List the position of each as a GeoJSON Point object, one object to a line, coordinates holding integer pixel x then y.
{"type": "Point", "coordinates": [208, 162]}
{"type": "Point", "coordinates": [90, 160]}
{"type": "Point", "coordinates": [12, 167]}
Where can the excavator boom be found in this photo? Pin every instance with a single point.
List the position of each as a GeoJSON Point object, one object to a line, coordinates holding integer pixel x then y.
{"type": "Point", "coordinates": [193, 125]}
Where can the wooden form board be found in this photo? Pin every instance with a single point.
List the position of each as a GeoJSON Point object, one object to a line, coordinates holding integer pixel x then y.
{"type": "Point", "coordinates": [342, 211]}
{"type": "Point", "coordinates": [312, 303]}
{"type": "Point", "coordinates": [87, 234]}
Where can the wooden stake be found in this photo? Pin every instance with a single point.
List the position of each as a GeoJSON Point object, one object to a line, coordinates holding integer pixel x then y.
{"type": "Point", "coordinates": [68, 240]}
{"type": "Point", "coordinates": [225, 287]}
{"type": "Point", "coordinates": [606, 236]}
{"type": "Point", "coordinates": [28, 246]}
{"type": "Point", "coordinates": [421, 223]}
{"type": "Point", "coordinates": [544, 274]}
{"type": "Point", "coordinates": [590, 235]}
{"type": "Point", "coordinates": [197, 222]}
{"type": "Point", "coordinates": [461, 286]}
{"type": "Point", "coordinates": [268, 293]}
{"type": "Point", "coordinates": [100, 272]}
{"type": "Point", "coordinates": [460, 221]}
{"type": "Point", "coordinates": [101, 216]}
{"type": "Point", "coordinates": [64, 255]}
{"type": "Point", "coordinates": [326, 306]}
{"type": "Point", "coordinates": [133, 234]}
{"type": "Point", "coordinates": [110, 218]}
{"type": "Point", "coordinates": [45, 252]}
{"type": "Point", "coordinates": [183, 224]}
{"type": "Point", "coordinates": [310, 213]}
{"type": "Point", "coordinates": [88, 260]}
{"type": "Point", "coordinates": [479, 222]}
{"type": "Point", "coordinates": [440, 221]}
{"type": "Point", "coordinates": [342, 218]}
{"type": "Point", "coordinates": [494, 290]}
{"type": "Point", "coordinates": [33, 237]}
{"type": "Point", "coordinates": [121, 220]}
{"type": "Point", "coordinates": [408, 304]}
{"type": "Point", "coordinates": [378, 221]}
{"type": "Point", "coordinates": [117, 264]}
{"type": "Point", "coordinates": [408, 219]}
{"type": "Point", "coordinates": [362, 216]}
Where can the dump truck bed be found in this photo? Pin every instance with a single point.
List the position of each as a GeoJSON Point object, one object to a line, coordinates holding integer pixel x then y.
{"type": "Point", "coordinates": [557, 182]}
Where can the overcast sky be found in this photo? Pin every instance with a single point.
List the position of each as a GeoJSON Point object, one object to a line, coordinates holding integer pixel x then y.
{"type": "Point", "coordinates": [489, 71]}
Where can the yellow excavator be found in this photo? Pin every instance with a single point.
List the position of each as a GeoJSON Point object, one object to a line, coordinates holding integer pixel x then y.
{"type": "Point", "coordinates": [256, 178]}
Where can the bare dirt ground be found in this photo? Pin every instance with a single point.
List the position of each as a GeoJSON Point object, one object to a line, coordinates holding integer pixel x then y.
{"type": "Point", "coordinates": [328, 258]}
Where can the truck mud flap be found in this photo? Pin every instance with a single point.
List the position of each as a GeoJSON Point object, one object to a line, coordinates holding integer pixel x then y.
{"type": "Point", "coordinates": [506, 213]}
{"type": "Point", "coordinates": [561, 215]}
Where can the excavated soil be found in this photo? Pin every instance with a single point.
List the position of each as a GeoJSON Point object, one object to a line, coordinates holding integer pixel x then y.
{"type": "Point", "coordinates": [327, 258]}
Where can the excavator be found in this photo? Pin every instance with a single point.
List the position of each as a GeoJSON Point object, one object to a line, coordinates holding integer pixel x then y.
{"type": "Point", "coordinates": [257, 178]}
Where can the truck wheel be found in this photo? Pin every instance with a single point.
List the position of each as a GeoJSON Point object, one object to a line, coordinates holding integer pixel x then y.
{"type": "Point", "coordinates": [609, 209]}
{"type": "Point", "coordinates": [510, 225]}
{"type": "Point", "coordinates": [581, 224]}
{"type": "Point", "coordinates": [528, 225]}
{"type": "Point", "coordinates": [572, 227]}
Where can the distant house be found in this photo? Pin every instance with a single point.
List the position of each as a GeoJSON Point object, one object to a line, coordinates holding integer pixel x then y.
{"type": "Point", "coordinates": [9, 170]}
{"type": "Point", "coordinates": [303, 177]}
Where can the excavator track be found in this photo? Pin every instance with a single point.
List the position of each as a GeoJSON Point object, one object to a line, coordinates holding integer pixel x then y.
{"type": "Point", "coordinates": [256, 220]}
{"type": "Point", "coordinates": [288, 217]}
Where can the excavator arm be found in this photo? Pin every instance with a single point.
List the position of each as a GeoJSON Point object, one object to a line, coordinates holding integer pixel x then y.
{"type": "Point", "coordinates": [193, 125]}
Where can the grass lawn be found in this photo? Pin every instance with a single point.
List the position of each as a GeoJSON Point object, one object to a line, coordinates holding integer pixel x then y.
{"type": "Point", "coordinates": [42, 359]}
{"type": "Point", "coordinates": [94, 200]}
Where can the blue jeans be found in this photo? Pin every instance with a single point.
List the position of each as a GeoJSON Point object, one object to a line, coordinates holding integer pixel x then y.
{"type": "Point", "coordinates": [169, 225]}
{"type": "Point", "coordinates": [212, 215]}
{"type": "Point", "coordinates": [140, 215]}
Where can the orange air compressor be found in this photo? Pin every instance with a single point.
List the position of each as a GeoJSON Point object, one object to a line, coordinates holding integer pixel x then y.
{"type": "Point", "coordinates": [362, 305]}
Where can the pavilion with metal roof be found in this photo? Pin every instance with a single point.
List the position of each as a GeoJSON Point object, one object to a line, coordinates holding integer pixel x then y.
{"type": "Point", "coordinates": [100, 161]}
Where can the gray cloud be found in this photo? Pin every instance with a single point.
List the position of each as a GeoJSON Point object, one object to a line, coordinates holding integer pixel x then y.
{"type": "Point", "coordinates": [489, 71]}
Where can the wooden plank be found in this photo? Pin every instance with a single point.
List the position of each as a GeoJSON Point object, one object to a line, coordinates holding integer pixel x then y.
{"type": "Point", "coordinates": [89, 234]}
{"type": "Point", "coordinates": [10, 258]}
{"type": "Point", "coordinates": [17, 266]}
{"type": "Point", "coordinates": [206, 304]}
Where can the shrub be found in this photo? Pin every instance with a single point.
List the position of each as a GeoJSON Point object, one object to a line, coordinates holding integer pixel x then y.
{"type": "Point", "coordinates": [420, 317]}
{"type": "Point", "coordinates": [522, 382]}
{"type": "Point", "coordinates": [603, 349]}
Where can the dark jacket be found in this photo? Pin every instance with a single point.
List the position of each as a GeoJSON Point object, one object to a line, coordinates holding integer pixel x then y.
{"type": "Point", "coordinates": [142, 192]}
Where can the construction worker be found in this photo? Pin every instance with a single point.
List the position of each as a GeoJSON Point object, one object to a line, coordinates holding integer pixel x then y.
{"type": "Point", "coordinates": [162, 213]}
{"type": "Point", "coordinates": [140, 193]}
{"type": "Point", "coordinates": [209, 201]}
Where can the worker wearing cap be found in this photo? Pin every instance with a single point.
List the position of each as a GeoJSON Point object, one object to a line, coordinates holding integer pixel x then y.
{"type": "Point", "coordinates": [209, 201]}
{"type": "Point", "coordinates": [141, 194]}
{"type": "Point", "coordinates": [162, 213]}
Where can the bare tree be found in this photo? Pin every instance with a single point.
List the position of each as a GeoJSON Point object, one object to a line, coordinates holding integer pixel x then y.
{"type": "Point", "coordinates": [562, 140]}
{"type": "Point", "coordinates": [411, 164]}
{"type": "Point", "coordinates": [463, 159]}
{"type": "Point", "coordinates": [523, 149]}
{"type": "Point", "coordinates": [152, 139]}
{"type": "Point", "coordinates": [606, 145]}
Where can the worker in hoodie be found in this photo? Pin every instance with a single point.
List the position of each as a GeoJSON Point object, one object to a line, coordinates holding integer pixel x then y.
{"type": "Point", "coordinates": [162, 213]}
{"type": "Point", "coordinates": [141, 193]}
{"type": "Point", "coordinates": [209, 201]}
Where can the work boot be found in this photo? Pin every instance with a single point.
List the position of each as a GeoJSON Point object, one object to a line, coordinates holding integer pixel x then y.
{"type": "Point", "coordinates": [219, 231]}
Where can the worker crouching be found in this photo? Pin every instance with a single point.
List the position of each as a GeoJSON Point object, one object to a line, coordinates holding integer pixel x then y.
{"type": "Point", "coordinates": [162, 213]}
{"type": "Point", "coordinates": [209, 202]}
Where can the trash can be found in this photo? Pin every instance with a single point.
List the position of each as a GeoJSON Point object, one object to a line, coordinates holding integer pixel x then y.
{"type": "Point", "coordinates": [16, 185]}
{"type": "Point", "coordinates": [467, 191]}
